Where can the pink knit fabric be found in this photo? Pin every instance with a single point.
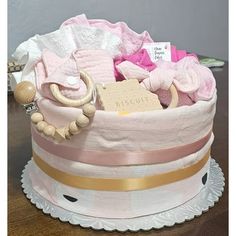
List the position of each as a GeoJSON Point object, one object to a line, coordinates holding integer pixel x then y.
{"type": "Point", "coordinates": [131, 40]}
{"type": "Point", "coordinates": [65, 71]}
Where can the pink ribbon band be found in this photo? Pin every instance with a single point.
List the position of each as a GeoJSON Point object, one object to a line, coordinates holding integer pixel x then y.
{"type": "Point", "coordinates": [118, 158]}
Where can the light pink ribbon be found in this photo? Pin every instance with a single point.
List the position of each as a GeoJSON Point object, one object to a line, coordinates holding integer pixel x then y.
{"type": "Point", "coordinates": [118, 158]}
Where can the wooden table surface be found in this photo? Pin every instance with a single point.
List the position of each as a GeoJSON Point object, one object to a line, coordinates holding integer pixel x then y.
{"type": "Point", "coordinates": [25, 219]}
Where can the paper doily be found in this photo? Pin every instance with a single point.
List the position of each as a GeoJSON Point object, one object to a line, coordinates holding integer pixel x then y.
{"type": "Point", "coordinates": [194, 207]}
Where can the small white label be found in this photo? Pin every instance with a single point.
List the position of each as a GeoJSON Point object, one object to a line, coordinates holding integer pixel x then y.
{"type": "Point", "coordinates": [158, 50]}
{"type": "Point", "coordinates": [71, 80]}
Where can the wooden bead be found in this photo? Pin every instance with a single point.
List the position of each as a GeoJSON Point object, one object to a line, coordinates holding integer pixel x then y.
{"type": "Point", "coordinates": [49, 130]}
{"type": "Point", "coordinates": [89, 110]}
{"type": "Point", "coordinates": [24, 92]}
{"type": "Point", "coordinates": [67, 133]}
{"type": "Point", "coordinates": [82, 121]}
{"type": "Point", "coordinates": [41, 125]}
{"type": "Point", "coordinates": [60, 134]}
{"type": "Point", "coordinates": [36, 117]}
{"type": "Point", "coordinates": [73, 128]}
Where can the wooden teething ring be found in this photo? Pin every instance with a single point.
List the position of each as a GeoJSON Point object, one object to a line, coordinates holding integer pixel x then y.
{"type": "Point", "coordinates": [75, 102]}
{"type": "Point", "coordinates": [174, 97]}
{"type": "Point", "coordinates": [25, 93]}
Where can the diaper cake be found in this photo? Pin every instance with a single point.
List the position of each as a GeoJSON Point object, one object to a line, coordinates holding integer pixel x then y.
{"type": "Point", "coordinates": [121, 125]}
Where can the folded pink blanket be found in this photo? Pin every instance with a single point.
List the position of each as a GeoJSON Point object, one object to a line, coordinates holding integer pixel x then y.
{"type": "Point", "coordinates": [131, 41]}
{"type": "Point", "coordinates": [141, 58]}
{"type": "Point", "coordinates": [65, 71]}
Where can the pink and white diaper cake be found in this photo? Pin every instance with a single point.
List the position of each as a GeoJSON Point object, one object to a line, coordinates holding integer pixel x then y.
{"type": "Point", "coordinates": [121, 125]}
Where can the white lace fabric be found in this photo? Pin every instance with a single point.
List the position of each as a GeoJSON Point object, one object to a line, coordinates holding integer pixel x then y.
{"type": "Point", "coordinates": [63, 42]}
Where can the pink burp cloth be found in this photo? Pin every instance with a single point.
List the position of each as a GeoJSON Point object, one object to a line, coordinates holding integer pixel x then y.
{"type": "Point", "coordinates": [53, 69]}
{"type": "Point", "coordinates": [65, 71]}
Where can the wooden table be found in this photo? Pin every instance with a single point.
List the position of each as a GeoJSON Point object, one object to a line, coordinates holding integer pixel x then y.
{"type": "Point", "coordinates": [25, 219]}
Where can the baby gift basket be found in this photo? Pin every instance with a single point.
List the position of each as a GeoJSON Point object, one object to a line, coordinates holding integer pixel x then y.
{"type": "Point", "coordinates": [121, 139]}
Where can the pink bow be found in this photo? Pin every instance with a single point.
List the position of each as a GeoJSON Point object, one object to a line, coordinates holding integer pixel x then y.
{"type": "Point", "coordinates": [187, 75]}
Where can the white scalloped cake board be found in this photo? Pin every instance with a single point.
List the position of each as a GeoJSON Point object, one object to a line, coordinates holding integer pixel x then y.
{"type": "Point", "coordinates": [194, 207]}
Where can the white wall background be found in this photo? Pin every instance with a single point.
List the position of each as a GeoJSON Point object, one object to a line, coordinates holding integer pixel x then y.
{"type": "Point", "coordinates": [200, 26]}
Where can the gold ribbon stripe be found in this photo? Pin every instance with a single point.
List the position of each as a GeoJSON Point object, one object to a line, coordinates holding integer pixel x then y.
{"type": "Point", "coordinates": [121, 184]}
